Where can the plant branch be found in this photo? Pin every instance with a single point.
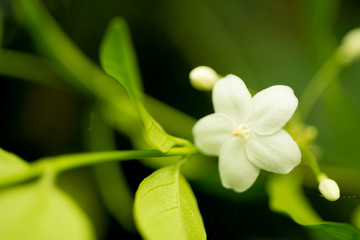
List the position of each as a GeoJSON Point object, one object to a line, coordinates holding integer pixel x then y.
{"type": "Point", "coordinates": [70, 161]}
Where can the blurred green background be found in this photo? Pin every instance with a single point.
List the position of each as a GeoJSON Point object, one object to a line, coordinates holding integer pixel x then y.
{"type": "Point", "coordinates": [264, 42]}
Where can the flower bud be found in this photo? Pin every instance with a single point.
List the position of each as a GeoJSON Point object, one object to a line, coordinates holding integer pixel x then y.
{"type": "Point", "coordinates": [329, 189]}
{"type": "Point", "coordinates": [203, 78]}
{"type": "Point", "coordinates": [350, 47]}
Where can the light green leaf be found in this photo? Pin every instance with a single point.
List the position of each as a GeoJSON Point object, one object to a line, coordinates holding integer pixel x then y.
{"type": "Point", "coordinates": [118, 60]}
{"type": "Point", "coordinates": [286, 196]}
{"type": "Point", "coordinates": [166, 208]}
{"type": "Point", "coordinates": [40, 211]}
{"type": "Point", "coordinates": [155, 134]}
{"type": "Point", "coordinates": [11, 164]}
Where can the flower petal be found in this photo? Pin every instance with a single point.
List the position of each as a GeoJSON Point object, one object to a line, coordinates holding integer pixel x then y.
{"type": "Point", "coordinates": [272, 109]}
{"type": "Point", "coordinates": [231, 97]}
{"type": "Point", "coordinates": [211, 132]}
{"type": "Point", "coordinates": [236, 171]}
{"type": "Point", "coordinates": [276, 153]}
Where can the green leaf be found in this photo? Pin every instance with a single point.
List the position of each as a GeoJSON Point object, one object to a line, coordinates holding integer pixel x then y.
{"type": "Point", "coordinates": [166, 208]}
{"type": "Point", "coordinates": [40, 211]}
{"type": "Point", "coordinates": [11, 164]}
{"type": "Point", "coordinates": [335, 231]}
{"type": "Point", "coordinates": [118, 60]}
{"type": "Point", "coordinates": [286, 196]}
{"type": "Point", "coordinates": [156, 135]}
{"type": "Point", "coordinates": [85, 74]}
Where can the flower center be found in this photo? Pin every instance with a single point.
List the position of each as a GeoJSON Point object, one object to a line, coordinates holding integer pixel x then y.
{"type": "Point", "coordinates": [243, 131]}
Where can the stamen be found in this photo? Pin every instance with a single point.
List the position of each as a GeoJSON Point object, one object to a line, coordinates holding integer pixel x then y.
{"type": "Point", "coordinates": [243, 131]}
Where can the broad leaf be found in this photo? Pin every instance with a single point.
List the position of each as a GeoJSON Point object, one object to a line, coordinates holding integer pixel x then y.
{"type": "Point", "coordinates": [11, 164]}
{"type": "Point", "coordinates": [286, 196]}
{"type": "Point", "coordinates": [118, 60]}
{"type": "Point", "coordinates": [166, 208]}
{"type": "Point", "coordinates": [40, 211]}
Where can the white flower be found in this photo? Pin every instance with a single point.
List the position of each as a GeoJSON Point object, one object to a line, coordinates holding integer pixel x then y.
{"type": "Point", "coordinates": [329, 189]}
{"type": "Point", "coordinates": [246, 132]}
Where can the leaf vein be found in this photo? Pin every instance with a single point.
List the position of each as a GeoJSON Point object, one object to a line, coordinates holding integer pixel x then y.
{"type": "Point", "coordinates": [156, 187]}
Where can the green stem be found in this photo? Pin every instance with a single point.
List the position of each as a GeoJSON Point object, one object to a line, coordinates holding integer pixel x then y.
{"type": "Point", "coordinates": [311, 160]}
{"type": "Point", "coordinates": [71, 161]}
{"type": "Point", "coordinates": [347, 178]}
{"type": "Point", "coordinates": [322, 79]}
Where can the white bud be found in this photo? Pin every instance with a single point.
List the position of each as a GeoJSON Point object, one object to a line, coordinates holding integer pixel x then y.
{"type": "Point", "coordinates": [329, 189]}
{"type": "Point", "coordinates": [350, 47]}
{"type": "Point", "coordinates": [203, 78]}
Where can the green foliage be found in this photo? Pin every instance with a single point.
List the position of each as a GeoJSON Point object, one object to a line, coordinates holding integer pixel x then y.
{"type": "Point", "coordinates": [286, 196]}
{"type": "Point", "coordinates": [118, 60]}
{"type": "Point", "coordinates": [11, 164]}
{"type": "Point", "coordinates": [113, 188]}
{"type": "Point", "coordinates": [40, 211]}
{"type": "Point", "coordinates": [166, 208]}
{"type": "Point", "coordinates": [335, 231]}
